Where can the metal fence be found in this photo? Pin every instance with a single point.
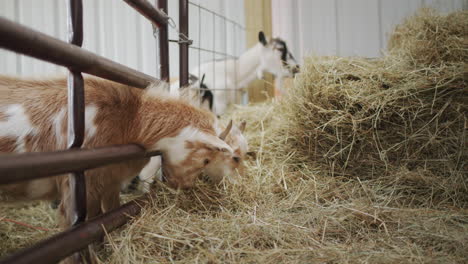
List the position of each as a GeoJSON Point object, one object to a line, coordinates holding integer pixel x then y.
{"type": "Point", "coordinates": [27, 166]}
{"type": "Point", "coordinates": [231, 33]}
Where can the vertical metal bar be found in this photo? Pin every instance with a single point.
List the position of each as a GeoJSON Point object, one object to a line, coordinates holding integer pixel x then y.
{"type": "Point", "coordinates": [76, 108]}
{"type": "Point", "coordinates": [234, 59]}
{"type": "Point", "coordinates": [183, 46]}
{"type": "Point", "coordinates": [227, 92]}
{"type": "Point", "coordinates": [199, 55]}
{"type": "Point", "coordinates": [76, 120]}
{"type": "Point", "coordinates": [215, 86]}
{"type": "Point", "coordinates": [163, 44]}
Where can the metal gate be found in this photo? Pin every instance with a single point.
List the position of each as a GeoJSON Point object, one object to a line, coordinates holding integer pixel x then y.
{"type": "Point", "coordinates": [28, 166]}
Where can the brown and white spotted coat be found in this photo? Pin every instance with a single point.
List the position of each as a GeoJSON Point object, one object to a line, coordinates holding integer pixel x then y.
{"type": "Point", "coordinates": [33, 118]}
{"type": "Point", "coordinates": [235, 139]}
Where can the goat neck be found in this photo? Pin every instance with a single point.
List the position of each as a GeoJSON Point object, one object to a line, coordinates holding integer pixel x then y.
{"type": "Point", "coordinates": [247, 65]}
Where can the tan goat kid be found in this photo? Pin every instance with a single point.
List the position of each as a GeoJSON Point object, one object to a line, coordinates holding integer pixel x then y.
{"type": "Point", "coordinates": [33, 118]}
{"type": "Point", "coordinates": [235, 139]}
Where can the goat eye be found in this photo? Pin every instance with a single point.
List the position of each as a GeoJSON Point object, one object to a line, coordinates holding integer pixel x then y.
{"type": "Point", "coordinates": [236, 159]}
{"type": "Point", "coordinates": [206, 161]}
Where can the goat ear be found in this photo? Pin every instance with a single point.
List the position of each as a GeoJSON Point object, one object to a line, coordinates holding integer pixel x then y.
{"type": "Point", "coordinates": [262, 38]}
{"type": "Point", "coordinates": [207, 100]}
{"type": "Point", "coordinates": [224, 134]}
{"type": "Point", "coordinates": [202, 80]}
{"type": "Point", "coordinates": [242, 126]}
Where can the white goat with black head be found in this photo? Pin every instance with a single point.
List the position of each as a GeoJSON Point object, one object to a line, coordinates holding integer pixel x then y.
{"type": "Point", "coordinates": [191, 91]}
{"type": "Point", "coordinates": [226, 78]}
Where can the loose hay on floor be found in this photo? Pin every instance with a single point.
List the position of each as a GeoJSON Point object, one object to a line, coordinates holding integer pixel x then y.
{"type": "Point", "coordinates": [363, 162]}
{"type": "Point", "coordinates": [22, 225]}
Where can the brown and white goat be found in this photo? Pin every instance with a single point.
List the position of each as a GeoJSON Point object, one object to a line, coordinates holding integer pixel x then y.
{"type": "Point", "coordinates": [33, 118]}
{"type": "Point", "coordinates": [235, 139]}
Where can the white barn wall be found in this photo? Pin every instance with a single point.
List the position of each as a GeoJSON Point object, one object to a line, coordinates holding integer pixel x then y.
{"type": "Point", "coordinates": [358, 28]}
{"type": "Point", "coordinates": [345, 27]}
{"type": "Point", "coordinates": [393, 13]}
{"type": "Point", "coordinates": [317, 27]}
{"type": "Point", "coordinates": [8, 61]}
{"type": "Point", "coordinates": [114, 30]}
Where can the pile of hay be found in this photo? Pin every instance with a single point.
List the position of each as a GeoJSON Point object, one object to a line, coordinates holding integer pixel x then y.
{"type": "Point", "coordinates": [22, 225]}
{"type": "Point", "coordinates": [363, 162]}
{"type": "Point", "coordinates": [374, 118]}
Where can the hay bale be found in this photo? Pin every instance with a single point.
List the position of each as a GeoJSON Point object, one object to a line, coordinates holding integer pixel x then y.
{"type": "Point", "coordinates": [428, 38]}
{"type": "Point", "coordinates": [368, 118]}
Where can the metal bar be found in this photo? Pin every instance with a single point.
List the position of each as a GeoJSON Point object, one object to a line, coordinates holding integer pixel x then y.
{"type": "Point", "coordinates": [28, 166]}
{"type": "Point", "coordinates": [154, 15]}
{"type": "Point", "coordinates": [214, 59]}
{"type": "Point", "coordinates": [234, 48]}
{"type": "Point", "coordinates": [183, 46]}
{"type": "Point", "coordinates": [163, 45]}
{"type": "Point", "coordinates": [75, 109]}
{"type": "Point", "coordinates": [21, 39]}
{"type": "Point", "coordinates": [200, 77]}
{"type": "Point", "coordinates": [64, 244]}
{"type": "Point", "coordinates": [225, 60]}
{"type": "Point", "coordinates": [76, 112]}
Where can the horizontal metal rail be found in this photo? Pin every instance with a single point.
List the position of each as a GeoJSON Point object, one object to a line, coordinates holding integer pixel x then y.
{"type": "Point", "coordinates": [145, 8]}
{"type": "Point", "coordinates": [21, 39]}
{"type": "Point", "coordinates": [29, 166]}
{"type": "Point", "coordinates": [76, 238]}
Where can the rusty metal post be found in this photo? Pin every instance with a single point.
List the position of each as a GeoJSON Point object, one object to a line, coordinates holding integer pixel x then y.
{"type": "Point", "coordinates": [163, 44]}
{"type": "Point", "coordinates": [76, 107]}
{"type": "Point", "coordinates": [30, 42]}
{"type": "Point", "coordinates": [76, 122]}
{"type": "Point", "coordinates": [35, 165]}
{"type": "Point", "coordinates": [183, 44]}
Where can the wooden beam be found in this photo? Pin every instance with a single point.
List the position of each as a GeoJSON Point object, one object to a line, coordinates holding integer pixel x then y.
{"type": "Point", "coordinates": [257, 18]}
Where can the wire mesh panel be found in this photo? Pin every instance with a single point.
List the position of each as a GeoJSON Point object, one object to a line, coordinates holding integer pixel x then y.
{"type": "Point", "coordinates": [219, 38]}
{"type": "Point", "coordinates": [217, 32]}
